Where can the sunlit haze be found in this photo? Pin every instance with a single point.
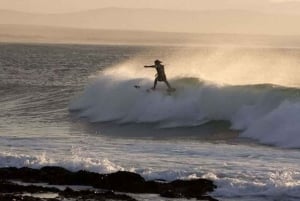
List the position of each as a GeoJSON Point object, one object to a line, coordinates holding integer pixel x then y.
{"type": "Point", "coordinates": [54, 6]}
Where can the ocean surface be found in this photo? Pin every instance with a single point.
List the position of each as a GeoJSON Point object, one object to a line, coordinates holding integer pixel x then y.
{"type": "Point", "coordinates": [234, 117]}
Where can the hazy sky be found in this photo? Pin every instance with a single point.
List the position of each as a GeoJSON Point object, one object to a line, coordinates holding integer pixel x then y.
{"type": "Point", "coordinates": [54, 6]}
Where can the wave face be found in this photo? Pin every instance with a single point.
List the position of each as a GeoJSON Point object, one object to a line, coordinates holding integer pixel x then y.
{"type": "Point", "coordinates": [267, 113]}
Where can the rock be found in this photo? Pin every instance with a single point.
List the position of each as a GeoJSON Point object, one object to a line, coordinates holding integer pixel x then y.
{"type": "Point", "coordinates": [192, 188]}
{"type": "Point", "coordinates": [9, 187]}
{"type": "Point", "coordinates": [14, 192]}
{"type": "Point", "coordinates": [93, 195]}
{"type": "Point", "coordinates": [9, 197]}
{"type": "Point", "coordinates": [121, 181]}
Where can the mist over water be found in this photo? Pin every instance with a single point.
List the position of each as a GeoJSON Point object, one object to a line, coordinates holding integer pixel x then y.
{"type": "Point", "coordinates": [227, 65]}
{"type": "Point", "coordinates": [245, 66]}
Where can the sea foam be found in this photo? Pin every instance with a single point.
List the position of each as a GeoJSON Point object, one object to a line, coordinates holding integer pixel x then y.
{"type": "Point", "coordinates": [278, 185]}
{"type": "Point", "coordinates": [10, 159]}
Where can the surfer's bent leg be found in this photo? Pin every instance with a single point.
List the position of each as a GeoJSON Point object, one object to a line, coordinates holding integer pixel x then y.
{"type": "Point", "coordinates": [167, 83]}
{"type": "Point", "coordinates": [155, 82]}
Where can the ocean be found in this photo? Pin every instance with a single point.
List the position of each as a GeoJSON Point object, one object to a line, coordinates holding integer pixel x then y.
{"type": "Point", "coordinates": [234, 117]}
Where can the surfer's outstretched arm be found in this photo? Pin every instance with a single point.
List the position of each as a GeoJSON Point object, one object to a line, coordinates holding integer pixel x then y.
{"type": "Point", "coordinates": [152, 66]}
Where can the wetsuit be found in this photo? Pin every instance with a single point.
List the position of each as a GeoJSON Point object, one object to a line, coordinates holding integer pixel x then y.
{"type": "Point", "coordinates": [161, 76]}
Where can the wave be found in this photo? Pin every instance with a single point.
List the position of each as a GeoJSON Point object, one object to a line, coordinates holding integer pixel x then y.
{"type": "Point", "coordinates": [265, 112]}
{"type": "Point", "coordinates": [76, 163]}
{"type": "Point", "coordinates": [277, 185]}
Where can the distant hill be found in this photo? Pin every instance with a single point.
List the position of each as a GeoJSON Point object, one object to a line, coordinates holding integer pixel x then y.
{"type": "Point", "coordinates": [51, 34]}
{"type": "Point", "coordinates": [210, 21]}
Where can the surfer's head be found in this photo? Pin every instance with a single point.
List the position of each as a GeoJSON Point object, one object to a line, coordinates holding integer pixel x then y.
{"type": "Point", "coordinates": [157, 61]}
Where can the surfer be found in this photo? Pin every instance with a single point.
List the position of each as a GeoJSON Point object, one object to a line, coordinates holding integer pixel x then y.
{"type": "Point", "coordinates": [160, 76]}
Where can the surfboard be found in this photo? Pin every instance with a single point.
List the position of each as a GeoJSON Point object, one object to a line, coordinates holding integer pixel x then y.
{"type": "Point", "coordinates": [150, 90]}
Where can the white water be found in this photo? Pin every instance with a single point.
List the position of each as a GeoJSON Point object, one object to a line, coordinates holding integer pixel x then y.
{"type": "Point", "coordinates": [265, 113]}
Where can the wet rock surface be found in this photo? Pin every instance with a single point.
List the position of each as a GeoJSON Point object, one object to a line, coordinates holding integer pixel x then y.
{"type": "Point", "coordinates": [125, 182]}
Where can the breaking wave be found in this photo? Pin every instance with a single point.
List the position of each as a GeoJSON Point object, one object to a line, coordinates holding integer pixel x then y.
{"type": "Point", "coordinates": [265, 112]}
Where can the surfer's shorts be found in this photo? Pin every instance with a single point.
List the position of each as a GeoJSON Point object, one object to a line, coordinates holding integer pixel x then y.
{"type": "Point", "coordinates": [161, 78]}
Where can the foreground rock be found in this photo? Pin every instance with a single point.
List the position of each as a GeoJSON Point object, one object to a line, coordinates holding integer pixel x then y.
{"type": "Point", "coordinates": [120, 181]}
{"type": "Point", "coordinates": [14, 192]}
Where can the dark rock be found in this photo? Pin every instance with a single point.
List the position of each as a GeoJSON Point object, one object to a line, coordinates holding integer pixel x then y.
{"type": "Point", "coordinates": [24, 174]}
{"type": "Point", "coordinates": [55, 175]}
{"type": "Point", "coordinates": [192, 188]}
{"type": "Point", "coordinates": [14, 192]}
{"type": "Point", "coordinates": [183, 188]}
{"type": "Point", "coordinates": [207, 198]}
{"type": "Point", "coordinates": [9, 187]}
{"type": "Point", "coordinates": [51, 175]}
{"type": "Point", "coordinates": [93, 195]}
{"type": "Point", "coordinates": [86, 178]}
{"type": "Point", "coordinates": [9, 197]}
{"type": "Point", "coordinates": [120, 181]}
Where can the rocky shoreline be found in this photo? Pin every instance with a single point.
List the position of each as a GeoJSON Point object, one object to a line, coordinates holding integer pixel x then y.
{"type": "Point", "coordinates": [103, 186]}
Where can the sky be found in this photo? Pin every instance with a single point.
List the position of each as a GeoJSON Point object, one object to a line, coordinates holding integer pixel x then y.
{"type": "Point", "coordinates": [275, 17]}
{"type": "Point", "coordinates": [60, 6]}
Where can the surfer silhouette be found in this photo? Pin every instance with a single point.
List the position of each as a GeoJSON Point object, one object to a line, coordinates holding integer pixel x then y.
{"type": "Point", "coordinates": [161, 75]}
